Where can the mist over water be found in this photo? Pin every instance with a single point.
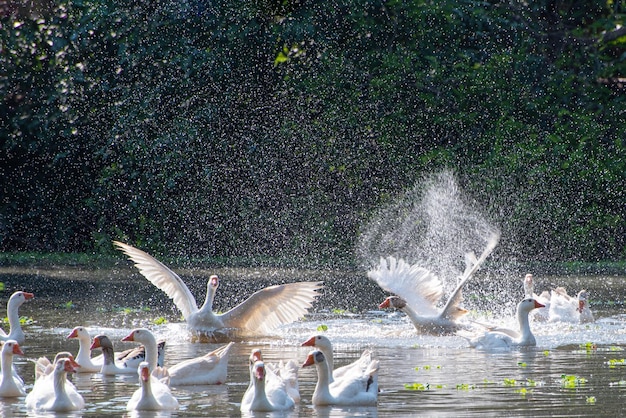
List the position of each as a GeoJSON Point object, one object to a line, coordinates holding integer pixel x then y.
{"type": "Point", "coordinates": [434, 224]}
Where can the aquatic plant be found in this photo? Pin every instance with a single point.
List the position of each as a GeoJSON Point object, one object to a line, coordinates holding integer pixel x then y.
{"type": "Point", "coordinates": [67, 305]}
{"type": "Point", "coordinates": [590, 400]}
{"type": "Point", "coordinates": [159, 321]}
{"type": "Point", "coordinates": [510, 382]}
{"type": "Point", "coordinates": [322, 328]}
{"type": "Point", "coordinates": [614, 362]}
{"type": "Point", "coordinates": [570, 381]}
{"type": "Point", "coordinates": [417, 386]}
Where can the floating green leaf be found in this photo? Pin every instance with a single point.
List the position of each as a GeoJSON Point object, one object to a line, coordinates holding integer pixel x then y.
{"type": "Point", "coordinates": [417, 386]}
{"type": "Point", "coordinates": [591, 400]}
{"type": "Point", "coordinates": [322, 328]}
{"type": "Point", "coordinates": [569, 381]}
{"type": "Point", "coordinates": [510, 382]}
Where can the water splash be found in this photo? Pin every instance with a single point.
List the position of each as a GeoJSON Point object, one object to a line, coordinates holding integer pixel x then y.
{"type": "Point", "coordinates": [433, 224]}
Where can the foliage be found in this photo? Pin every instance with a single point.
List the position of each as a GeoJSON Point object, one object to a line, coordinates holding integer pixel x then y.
{"type": "Point", "coordinates": [275, 128]}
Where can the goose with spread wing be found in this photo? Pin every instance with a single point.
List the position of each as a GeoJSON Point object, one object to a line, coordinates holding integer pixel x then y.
{"type": "Point", "coordinates": [418, 292]}
{"type": "Point", "coordinates": [263, 311]}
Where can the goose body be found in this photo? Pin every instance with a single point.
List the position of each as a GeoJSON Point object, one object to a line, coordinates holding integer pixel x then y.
{"type": "Point", "coordinates": [356, 390]}
{"type": "Point", "coordinates": [52, 393]}
{"type": "Point", "coordinates": [15, 327]}
{"type": "Point", "coordinates": [506, 339]}
{"type": "Point", "coordinates": [263, 311]}
{"type": "Point", "coordinates": [210, 369]}
{"type": "Point", "coordinates": [260, 401]}
{"type": "Point", "coordinates": [418, 291]}
{"type": "Point", "coordinates": [152, 395]}
{"type": "Point", "coordinates": [11, 386]}
{"type": "Point", "coordinates": [565, 308]}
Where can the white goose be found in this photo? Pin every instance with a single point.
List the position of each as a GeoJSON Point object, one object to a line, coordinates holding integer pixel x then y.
{"type": "Point", "coordinates": [109, 365]}
{"type": "Point", "coordinates": [420, 291]}
{"type": "Point", "coordinates": [11, 386]}
{"type": "Point", "coordinates": [565, 308]}
{"type": "Point", "coordinates": [357, 390]}
{"type": "Point", "coordinates": [359, 367]}
{"type": "Point", "coordinates": [152, 395]}
{"type": "Point", "coordinates": [209, 369]}
{"type": "Point", "coordinates": [15, 327]}
{"type": "Point", "coordinates": [44, 368]}
{"type": "Point", "coordinates": [53, 394]}
{"type": "Point", "coordinates": [278, 377]}
{"type": "Point", "coordinates": [263, 311]}
{"type": "Point", "coordinates": [504, 339]}
{"type": "Point", "coordinates": [541, 314]}
{"type": "Point", "coordinates": [260, 401]}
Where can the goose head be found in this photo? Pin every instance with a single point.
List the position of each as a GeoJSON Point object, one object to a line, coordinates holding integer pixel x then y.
{"type": "Point", "coordinates": [393, 302]}
{"type": "Point", "coordinates": [259, 371]}
{"type": "Point", "coordinates": [20, 297]}
{"type": "Point", "coordinates": [11, 346]}
{"type": "Point", "coordinates": [140, 335]}
{"type": "Point", "coordinates": [528, 305]}
{"type": "Point", "coordinates": [528, 285]}
{"type": "Point", "coordinates": [314, 357]}
{"type": "Point", "coordinates": [143, 371]}
{"type": "Point", "coordinates": [582, 300]}
{"type": "Point", "coordinates": [101, 341]}
{"type": "Point", "coordinates": [320, 341]}
{"type": "Point", "coordinates": [255, 356]}
{"type": "Point", "coordinates": [64, 365]}
{"type": "Point", "coordinates": [80, 333]}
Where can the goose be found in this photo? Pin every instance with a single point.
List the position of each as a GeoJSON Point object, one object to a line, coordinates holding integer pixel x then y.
{"type": "Point", "coordinates": [152, 395]}
{"type": "Point", "coordinates": [43, 366]}
{"type": "Point", "coordinates": [418, 291]}
{"type": "Point", "coordinates": [11, 386]}
{"type": "Point", "coordinates": [356, 390]}
{"type": "Point", "coordinates": [566, 308]}
{"type": "Point", "coordinates": [358, 367]}
{"type": "Point", "coordinates": [260, 401]}
{"type": "Point", "coordinates": [540, 314]}
{"type": "Point", "coordinates": [280, 377]}
{"type": "Point", "coordinates": [109, 365]}
{"type": "Point", "coordinates": [52, 394]}
{"type": "Point", "coordinates": [15, 327]}
{"type": "Point", "coordinates": [128, 358]}
{"type": "Point", "coordinates": [502, 339]}
{"type": "Point", "coordinates": [263, 311]}
{"type": "Point", "coordinates": [210, 369]}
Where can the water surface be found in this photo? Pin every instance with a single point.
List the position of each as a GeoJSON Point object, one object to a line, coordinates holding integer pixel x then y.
{"type": "Point", "coordinates": [575, 370]}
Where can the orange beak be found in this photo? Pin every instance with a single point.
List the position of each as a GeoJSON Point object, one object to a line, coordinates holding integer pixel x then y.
{"type": "Point", "coordinates": [145, 374]}
{"type": "Point", "coordinates": [309, 343]}
{"type": "Point", "coordinates": [69, 368]}
{"type": "Point", "coordinates": [73, 334]}
{"type": "Point", "coordinates": [129, 337]}
{"type": "Point", "coordinates": [539, 305]}
{"type": "Point", "coordinates": [95, 343]}
{"type": "Point", "coordinates": [17, 349]}
{"type": "Point", "coordinates": [28, 295]}
{"type": "Point", "coordinates": [581, 305]}
{"type": "Point", "coordinates": [309, 361]}
{"type": "Point", "coordinates": [385, 304]}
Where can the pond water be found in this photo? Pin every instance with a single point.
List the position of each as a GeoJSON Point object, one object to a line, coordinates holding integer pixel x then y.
{"type": "Point", "coordinates": [575, 370]}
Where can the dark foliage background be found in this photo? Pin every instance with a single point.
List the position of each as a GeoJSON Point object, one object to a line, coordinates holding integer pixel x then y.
{"type": "Point", "coordinates": [274, 129]}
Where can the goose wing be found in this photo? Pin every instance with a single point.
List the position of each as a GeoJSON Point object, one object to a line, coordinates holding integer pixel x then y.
{"type": "Point", "coordinates": [450, 310]}
{"type": "Point", "coordinates": [273, 306]}
{"type": "Point", "coordinates": [417, 285]}
{"type": "Point", "coordinates": [162, 277]}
